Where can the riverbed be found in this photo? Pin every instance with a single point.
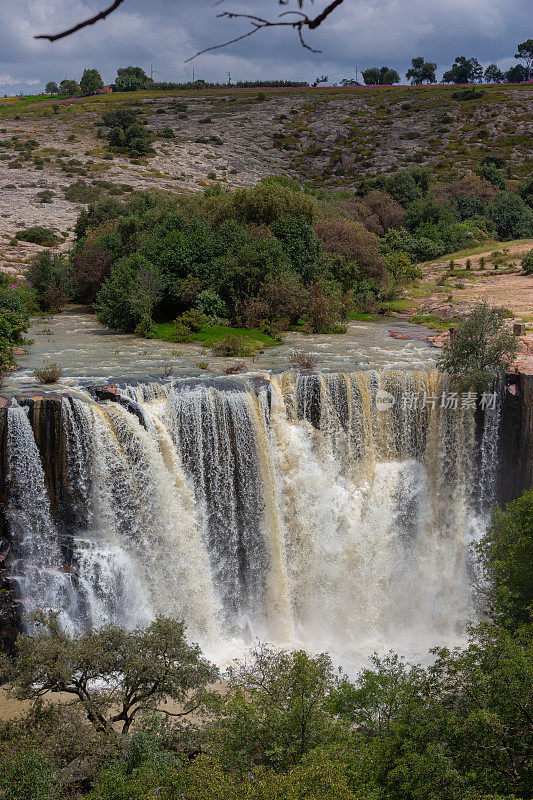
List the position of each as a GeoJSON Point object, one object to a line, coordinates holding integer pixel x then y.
{"type": "Point", "coordinates": [85, 350]}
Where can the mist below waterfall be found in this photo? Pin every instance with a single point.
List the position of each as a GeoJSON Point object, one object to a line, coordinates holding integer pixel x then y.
{"type": "Point", "coordinates": [291, 508]}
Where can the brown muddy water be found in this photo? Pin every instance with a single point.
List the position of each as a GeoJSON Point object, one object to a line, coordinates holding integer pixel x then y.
{"type": "Point", "coordinates": [86, 350]}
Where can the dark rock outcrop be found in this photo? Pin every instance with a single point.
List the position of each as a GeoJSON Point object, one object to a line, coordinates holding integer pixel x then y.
{"type": "Point", "coordinates": [515, 465]}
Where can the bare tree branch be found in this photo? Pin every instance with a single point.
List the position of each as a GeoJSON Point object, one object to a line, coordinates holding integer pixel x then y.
{"type": "Point", "coordinates": [258, 23]}
{"type": "Point", "coordinates": [52, 37]}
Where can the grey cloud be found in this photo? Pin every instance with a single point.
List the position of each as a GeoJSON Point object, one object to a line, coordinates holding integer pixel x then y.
{"type": "Point", "coordinates": [165, 32]}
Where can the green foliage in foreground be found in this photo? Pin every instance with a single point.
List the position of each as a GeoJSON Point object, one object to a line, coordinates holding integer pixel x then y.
{"type": "Point", "coordinates": [285, 725]}
{"type": "Point", "coordinates": [481, 349]}
{"type": "Point", "coordinates": [16, 300]}
{"type": "Point", "coordinates": [507, 556]}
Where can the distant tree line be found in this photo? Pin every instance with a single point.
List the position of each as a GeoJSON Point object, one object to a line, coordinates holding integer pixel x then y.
{"type": "Point", "coordinates": [463, 70]}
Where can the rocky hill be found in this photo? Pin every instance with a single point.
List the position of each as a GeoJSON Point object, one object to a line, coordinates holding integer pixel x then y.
{"type": "Point", "coordinates": [52, 160]}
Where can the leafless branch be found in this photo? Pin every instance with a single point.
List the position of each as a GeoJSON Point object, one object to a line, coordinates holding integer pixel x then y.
{"type": "Point", "coordinates": [52, 37]}
{"type": "Point", "coordinates": [258, 23]}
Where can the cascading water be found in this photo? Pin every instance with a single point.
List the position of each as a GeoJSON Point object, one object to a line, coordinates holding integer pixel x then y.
{"type": "Point", "coordinates": [330, 511]}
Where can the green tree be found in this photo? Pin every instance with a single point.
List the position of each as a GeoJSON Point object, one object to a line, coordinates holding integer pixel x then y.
{"type": "Point", "coordinates": [91, 81]}
{"type": "Point", "coordinates": [52, 88]}
{"type": "Point", "coordinates": [129, 294]}
{"type": "Point", "coordinates": [275, 709]}
{"type": "Point", "coordinates": [481, 349]}
{"type": "Point", "coordinates": [511, 216]}
{"type": "Point", "coordinates": [115, 674]}
{"type": "Point", "coordinates": [131, 79]}
{"type": "Point", "coordinates": [516, 74]}
{"type": "Point", "coordinates": [380, 75]}
{"type": "Point", "coordinates": [525, 53]}
{"type": "Point", "coordinates": [506, 552]}
{"type": "Point", "coordinates": [48, 274]}
{"type": "Point", "coordinates": [69, 87]}
{"type": "Point", "coordinates": [462, 71]}
{"type": "Point", "coordinates": [493, 74]}
{"type": "Point", "coordinates": [421, 71]}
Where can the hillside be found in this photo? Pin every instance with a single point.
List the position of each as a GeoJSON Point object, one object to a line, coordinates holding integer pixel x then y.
{"type": "Point", "coordinates": [330, 137]}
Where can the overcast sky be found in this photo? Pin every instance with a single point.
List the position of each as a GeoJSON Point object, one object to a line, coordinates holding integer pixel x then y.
{"type": "Point", "coordinates": [163, 33]}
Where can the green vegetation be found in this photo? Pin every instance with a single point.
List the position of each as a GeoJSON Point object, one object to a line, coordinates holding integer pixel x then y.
{"type": "Point", "coordinates": [146, 718]}
{"type": "Point", "coordinates": [50, 372]}
{"type": "Point", "coordinates": [272, 258]}
{"type": "Point", "coordinates": [506, 553]}
{"type": "Point", "coordinates": [38, 235]}
{"type": "Point", "coordinates": [527, 263]}
{"type": "Point", "coordinates": [481, 349]}
{"type": "Point", "coordinates": [212, 335]}
{"type": "Point", "coordinates": [16, 301]}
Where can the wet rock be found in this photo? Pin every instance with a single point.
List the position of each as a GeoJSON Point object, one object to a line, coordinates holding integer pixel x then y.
{"type": "Point", "coordinates": [77, 774]}
{"type": "Point", "coordinates": [109, 392]}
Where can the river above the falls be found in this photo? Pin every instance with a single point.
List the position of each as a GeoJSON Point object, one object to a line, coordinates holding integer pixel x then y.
{"type": "Point", "coordinates": [86, 350]}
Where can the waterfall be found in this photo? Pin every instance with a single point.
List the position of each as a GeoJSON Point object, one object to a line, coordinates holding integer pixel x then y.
{"type": "Point", "coordinates": [331, 511]}
{"type": "Point", "coordinates": [40, 572]}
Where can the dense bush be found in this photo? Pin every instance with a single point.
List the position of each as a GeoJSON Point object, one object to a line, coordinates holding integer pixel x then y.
{"type": "Point", "coordinates": [38, 235]}
{"type": "Point", "coordinates": [49, 276]}
{"type": "Point", "coordinates": [507, 557]}
{"type": "Point", "coordinates": [16, 301]}
{"type": "Point", "coordinates": [527, 263]}
{"type": "Point", "coordinates": [252, 256]}
{"type": "Point", "coordinates": [512, 218]}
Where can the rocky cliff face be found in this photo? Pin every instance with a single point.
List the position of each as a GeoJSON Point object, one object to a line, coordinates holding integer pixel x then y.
{"type": "Point", "coordinates": [516, 439]}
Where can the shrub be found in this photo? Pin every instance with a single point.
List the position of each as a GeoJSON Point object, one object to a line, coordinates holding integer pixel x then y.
{"type": "Point", "coordinates": [480, 351]}
{"type": "Point", "coordinates": [181, 332]}
{"type": "Point", "coordinates": [38, 235]}
{"type": "Point", "coordinates": [377, 211]}
{"type": "Point", "coordinates": [45, 196]}
{"type": "Point", "coordinates": [324, 309]}
{"type": "Point", "coordinates": [264, 205]}
{"type": "Point", "coordinates": [81, 192]}
{"type": "Point", "coordinates": [235, 368]}
{"type": "Point", "coordinates": [303, 360]}
{"type": "Point", "coordinates": [129, 293]}
{"type": "Point", "coordinates": [91, 264]}
{"type": "Point", "coordinates": [284, 298]}
{"type": "Point", "coordinates": [194, 319]}
{"type": "Point", "coordinates": [506, 552]}
{"type": "Point", "coordinates": [28, 776]}
{"type": "Point", "coordinates": [468, 94]}
{"type": "Point", "coordinates": [490, 172]}
{"type": "Point", "coordinates": [527, 263]}
{"type": "Point", "coordinates": [231, 345]}
{"type": "Point", "coordinates": [49, 372]}
{"type": "Point", "coordinates": [211, 304]}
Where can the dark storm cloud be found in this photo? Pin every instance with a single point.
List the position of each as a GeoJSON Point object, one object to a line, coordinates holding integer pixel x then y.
{"type": "Point", "coordinates": [163, 33]}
